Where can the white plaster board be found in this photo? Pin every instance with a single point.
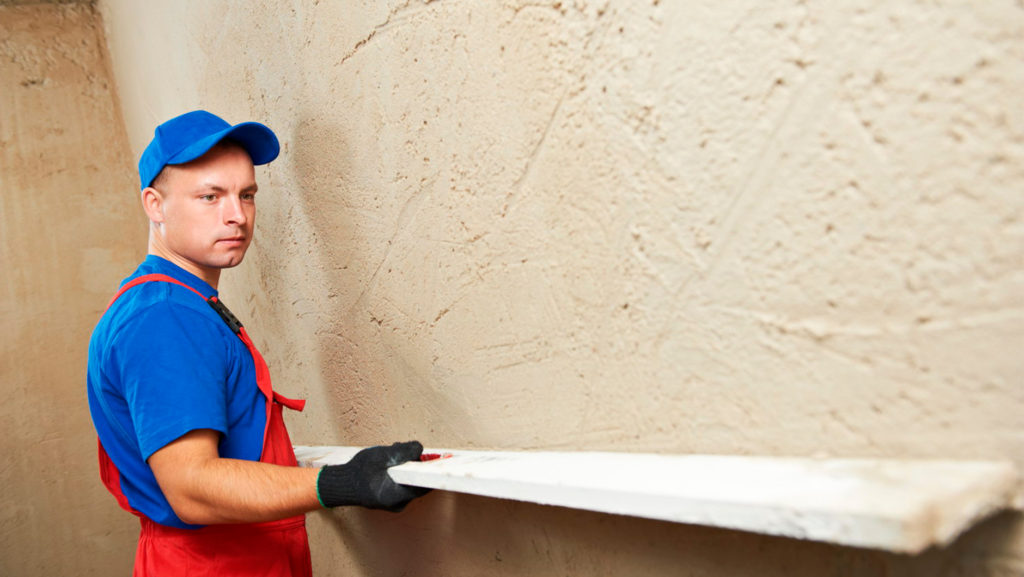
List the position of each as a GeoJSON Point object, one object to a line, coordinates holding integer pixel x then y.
{"type": "Point", "coordinates": [896, 505]}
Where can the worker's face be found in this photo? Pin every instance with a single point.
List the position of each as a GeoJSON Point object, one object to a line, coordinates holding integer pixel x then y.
{"type": "Point", "coordinates": [202, 213]}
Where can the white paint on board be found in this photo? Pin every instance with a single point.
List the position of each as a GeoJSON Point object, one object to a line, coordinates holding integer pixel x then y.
{"type": "Point", "coordinates": [896, 505]}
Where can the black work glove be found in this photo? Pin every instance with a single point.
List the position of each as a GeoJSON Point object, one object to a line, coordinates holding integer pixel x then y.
{"type": "Point", "coordinates": [365, 481]}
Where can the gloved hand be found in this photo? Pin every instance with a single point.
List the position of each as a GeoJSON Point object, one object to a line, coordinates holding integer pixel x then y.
{"type": "Point", "coordinates": [365, 481]}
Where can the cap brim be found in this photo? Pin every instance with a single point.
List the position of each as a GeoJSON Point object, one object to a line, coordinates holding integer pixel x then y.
{"type": "Point", "coordinates": [258, 140]}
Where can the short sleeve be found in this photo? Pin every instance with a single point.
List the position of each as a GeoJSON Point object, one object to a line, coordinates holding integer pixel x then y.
{"type": "Point", "coordinates": [174, 366]}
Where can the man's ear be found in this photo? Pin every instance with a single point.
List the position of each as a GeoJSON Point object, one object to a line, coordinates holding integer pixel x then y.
{"type": "Point", "coordinates": [152, 203]}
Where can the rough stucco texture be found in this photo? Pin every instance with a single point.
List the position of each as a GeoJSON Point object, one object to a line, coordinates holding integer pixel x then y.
{"type": "Point", "coordinates": [67, 229]}
{"type": "Point", "coordinates": [638, 226]}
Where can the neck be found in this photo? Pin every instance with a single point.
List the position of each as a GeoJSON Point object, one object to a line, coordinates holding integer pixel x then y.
{"type": "Point", "coordinates": [210, 275]}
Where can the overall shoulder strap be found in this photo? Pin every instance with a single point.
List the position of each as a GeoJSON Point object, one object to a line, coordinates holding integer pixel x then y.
{"type": "Point", "coordinates": [149, 278]}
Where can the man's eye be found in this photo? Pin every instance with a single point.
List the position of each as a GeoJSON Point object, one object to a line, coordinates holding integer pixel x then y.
{"type": "Point", "coordinates": [249, 197]}
{"type": "Point", "coordinates": [208, 197]}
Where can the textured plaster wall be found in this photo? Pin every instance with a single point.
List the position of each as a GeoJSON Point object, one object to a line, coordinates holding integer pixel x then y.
{"type": "Point", "coordinates": [730, 227]}
{"type": "Point", "coordinates": [68, 229]}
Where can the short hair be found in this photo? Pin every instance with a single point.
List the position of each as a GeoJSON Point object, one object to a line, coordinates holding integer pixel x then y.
{"type": "Point", "coordinates": [161, 178]}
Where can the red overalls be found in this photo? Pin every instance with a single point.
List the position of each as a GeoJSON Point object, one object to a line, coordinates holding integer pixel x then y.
{"type": "Point", "coordinates": [272, 549]}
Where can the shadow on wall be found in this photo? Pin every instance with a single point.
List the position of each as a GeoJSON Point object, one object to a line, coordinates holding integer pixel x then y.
{"type": "Point", "coordinates": [446, 532]}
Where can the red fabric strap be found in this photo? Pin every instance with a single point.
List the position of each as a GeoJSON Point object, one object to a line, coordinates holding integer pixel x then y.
{"type": "Point", "coordinates": [151, 277]}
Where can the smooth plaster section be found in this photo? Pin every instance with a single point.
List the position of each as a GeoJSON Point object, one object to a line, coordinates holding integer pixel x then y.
{"type": "Point", "coordinates": [732, 228]}
{"type": "Point", "coordinates": [69, 228]}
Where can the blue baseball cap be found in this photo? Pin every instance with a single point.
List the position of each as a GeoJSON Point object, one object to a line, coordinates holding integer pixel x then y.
{"type": "Point", "coordinates": [187, 137]}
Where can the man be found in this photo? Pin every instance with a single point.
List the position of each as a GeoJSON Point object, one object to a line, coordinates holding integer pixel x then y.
{"type": "Point", "coordinates": [190, 429]}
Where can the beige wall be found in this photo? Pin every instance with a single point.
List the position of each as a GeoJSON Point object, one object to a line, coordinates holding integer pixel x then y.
{"type": "Point", "coordinates": [617, 225]}
{"type": "Point", "coordinates": [68, 230]}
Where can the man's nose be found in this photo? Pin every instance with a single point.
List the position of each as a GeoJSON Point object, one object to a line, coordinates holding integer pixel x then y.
{"type": "Point", "coordinates": [234, 212]}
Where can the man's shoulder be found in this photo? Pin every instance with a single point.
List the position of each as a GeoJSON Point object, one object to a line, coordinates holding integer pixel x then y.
{"type": "Point", "coordinates": [162, 309]}
{"type": "Point", "coordinates": [171, 307]}
{"type": "Point", "coordinates": [157, 297]}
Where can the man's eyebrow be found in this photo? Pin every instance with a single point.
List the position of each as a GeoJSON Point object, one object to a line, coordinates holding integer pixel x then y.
{"type": "Point", "coordinates": [218, 188]}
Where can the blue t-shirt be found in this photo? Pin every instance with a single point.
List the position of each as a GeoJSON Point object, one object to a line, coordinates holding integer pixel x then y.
{"type": "Point", "coordinates": [165, 364]}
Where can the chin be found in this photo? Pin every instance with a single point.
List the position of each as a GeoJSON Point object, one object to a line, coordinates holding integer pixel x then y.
{"type": "Point", "coordinates": [230, 262]}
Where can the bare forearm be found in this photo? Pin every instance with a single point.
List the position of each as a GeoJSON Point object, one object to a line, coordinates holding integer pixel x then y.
{"type": "Point", "coordinates": [204, 489]}
{"type": "Point", "coordinates": [233, 491]}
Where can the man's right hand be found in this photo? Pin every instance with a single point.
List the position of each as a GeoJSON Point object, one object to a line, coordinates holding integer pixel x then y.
{"type": "Point", "coordinates": [364, 480]}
